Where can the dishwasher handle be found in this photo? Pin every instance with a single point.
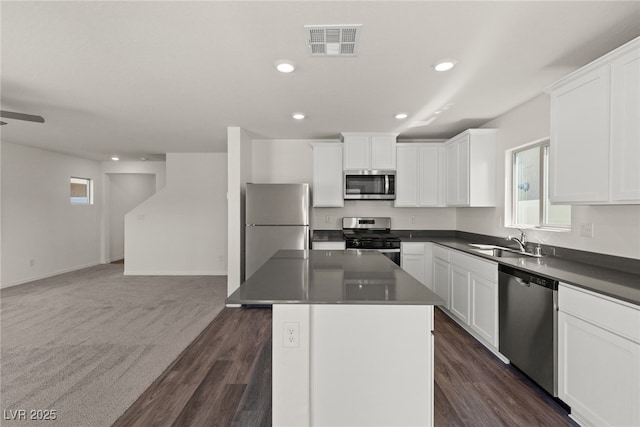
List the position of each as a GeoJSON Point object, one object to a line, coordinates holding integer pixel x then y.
{"type": "Point", "coordinates": [521, 282]}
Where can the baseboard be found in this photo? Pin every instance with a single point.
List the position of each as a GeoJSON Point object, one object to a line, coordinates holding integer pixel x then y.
{"type": "Point", "coordinates": [128, 272]}
{"type": "Point", "coordinates": [47, 275]}
{"type": "Point", "coordinates": [118, 258]}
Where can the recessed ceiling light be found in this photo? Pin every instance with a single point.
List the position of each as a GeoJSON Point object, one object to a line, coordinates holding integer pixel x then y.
{"type": "Point", "coordinates": [285, 66]}
{"type": "Point", "coordinates": [401, 116]}
{"type": "Point", "coordinates": [143, 159]}
{"type": "Point", "coordinates": [298, 116]}
{"type": "Point", "coordinates": [445, 65]}
{"type": "Point", "coordinates": [115, 158]}
{"type": "Point", "coordinates": [437, 112]}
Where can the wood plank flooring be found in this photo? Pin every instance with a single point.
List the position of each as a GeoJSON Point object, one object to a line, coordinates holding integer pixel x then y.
{"type": "Point", "coordinates": [224, 379]}
{"type": "Point", "coordinates": [474, 388]}
{"type": "Point", "coordinates": [205, 385]}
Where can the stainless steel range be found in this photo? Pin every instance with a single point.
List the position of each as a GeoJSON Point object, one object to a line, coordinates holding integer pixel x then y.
{"type": "Point", "coordinates": [371, 234]}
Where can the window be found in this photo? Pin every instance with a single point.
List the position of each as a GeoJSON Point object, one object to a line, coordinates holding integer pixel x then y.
{"type": "Point", "coordinates": [81, 191]}
{"type": "Point", "coordinates": [530, 195]}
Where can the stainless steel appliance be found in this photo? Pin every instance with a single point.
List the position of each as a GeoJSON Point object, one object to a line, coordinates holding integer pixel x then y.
{"type": "Point", "coordinates": [276, 217]}
{"type": "Point", "coordinates": [528, 310]}
{"type": "Point", "coordinates": [371, 234]}
{"type": "Point", "coordinates": [369, 185]}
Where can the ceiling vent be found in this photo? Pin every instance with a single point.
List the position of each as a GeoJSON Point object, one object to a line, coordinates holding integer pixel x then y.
{"type": "Point", "coordinates": [333, 40]}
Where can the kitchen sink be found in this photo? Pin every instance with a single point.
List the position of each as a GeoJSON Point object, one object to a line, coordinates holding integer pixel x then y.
{"type": "Point", "coordinates": [501, 251]}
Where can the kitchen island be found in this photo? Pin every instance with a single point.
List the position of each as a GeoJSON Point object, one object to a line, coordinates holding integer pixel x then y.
{"type": "Point", "coordinates": [352, 339]}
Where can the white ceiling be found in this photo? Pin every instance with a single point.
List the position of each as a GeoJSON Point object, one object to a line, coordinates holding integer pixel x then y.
{"type": "Point", "coordinates": [141, 78]}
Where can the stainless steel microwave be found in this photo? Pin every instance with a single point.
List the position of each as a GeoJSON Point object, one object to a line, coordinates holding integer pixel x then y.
{"type": "Point", "coordinates": [369, 185]}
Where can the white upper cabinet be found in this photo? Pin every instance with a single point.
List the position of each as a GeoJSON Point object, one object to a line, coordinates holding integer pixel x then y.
{"type": "Point", "coordinates": [419, 181]}
{"type": "Point", "coordinates": [595, 131]}
{"type": "Point", "coordinates": [471, 168]}
{"type": "Point", "coordinates": [328, 188]}
{"type": "Point", "coordinates": [625, 128]}
{"type": "Point", "coordinates": [369, 151]}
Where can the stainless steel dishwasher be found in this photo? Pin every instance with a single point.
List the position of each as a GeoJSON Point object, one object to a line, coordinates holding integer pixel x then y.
{"type": "Point", "coordinates": [528, 318]}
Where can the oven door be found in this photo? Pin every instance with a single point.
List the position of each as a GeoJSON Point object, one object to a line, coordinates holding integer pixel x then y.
{"type": "Point", "coordinates": [369, 185]}
{"type": "Point", "coordinates": [392, 254]}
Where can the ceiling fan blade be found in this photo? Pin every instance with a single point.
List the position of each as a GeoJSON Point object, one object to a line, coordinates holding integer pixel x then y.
{"type": "Point", "coordinates": [21, 116]}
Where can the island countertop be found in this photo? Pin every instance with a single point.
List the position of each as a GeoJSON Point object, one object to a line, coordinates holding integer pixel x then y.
{"type": "Point", "coordinates": [332, 277]}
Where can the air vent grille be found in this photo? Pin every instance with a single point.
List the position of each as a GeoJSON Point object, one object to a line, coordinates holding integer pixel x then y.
{"type": "Point", "coordinates": [333, 40]}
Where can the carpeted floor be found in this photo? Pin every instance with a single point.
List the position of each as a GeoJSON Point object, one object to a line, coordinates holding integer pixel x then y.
{"type": "Point", "coordinates": [86, 344]}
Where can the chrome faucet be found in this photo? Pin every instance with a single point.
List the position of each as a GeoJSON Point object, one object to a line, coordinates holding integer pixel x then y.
{"type": "Point", "coordinates": [521, 241]}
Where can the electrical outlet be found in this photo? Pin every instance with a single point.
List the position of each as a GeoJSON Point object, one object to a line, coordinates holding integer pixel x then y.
{"type": "Point", "coordinates": [32, 262]}
{"type": "Point", "coordinates": [291, 334]}
{"type": "Point", "coordinates": [586, 229]}
{"type": "Point", "coordinates": [413, 219]}
{"type": "Point", "coordinates": [327, 219]}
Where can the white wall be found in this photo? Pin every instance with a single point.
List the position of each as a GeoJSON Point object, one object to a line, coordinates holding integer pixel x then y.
{"type": "Point", "coordinates": [147, 167]}
{"type": "Point", "coordinates": [277, 161]}
{"type": "Point", "coordinates": [155, 168]}
{"type": "Point", "coordinates": [616, 228]}
{"type": "Point", "coordinates": [401, 218]}
{"type": "Point", "coordinates": [181, 230]}
{"type": "Point", "coordinates": [240, 155]}
{"type": "Point", "coordinates": [38, 221]}
{"type": "Point", "coordinates": [282, 161]}
{"type": "Point", "coordinates": [126, 191]}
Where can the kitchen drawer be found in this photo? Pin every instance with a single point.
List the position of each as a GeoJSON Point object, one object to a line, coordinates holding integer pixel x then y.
{"type": "Point", "coordinates": [413, 248]}
{"type": "Point", "coordinates": [328, 246]}
{"type": "Point", "coordinates": [440, 252]}
{"type": "Point", "coordinates": [616, 316]}
{"type": "Point", "coordinates": [480, 267]}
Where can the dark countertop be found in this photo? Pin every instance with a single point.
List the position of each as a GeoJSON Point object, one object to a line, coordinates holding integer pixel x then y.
{"type": "Point", "coordinates": [608, 281]}
{"type": "Point", "coordinates": [332, 277]}
{"type": "Point", "coordinates": [614, 283]}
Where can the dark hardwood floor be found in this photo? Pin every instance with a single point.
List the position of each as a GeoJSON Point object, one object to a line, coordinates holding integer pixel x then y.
{"type": "Point", "coordinates": [224, 379]}
{"type": "Point", "coordinates": [474, 388]}
{"type": "Point", "coordinates": [208, 383]}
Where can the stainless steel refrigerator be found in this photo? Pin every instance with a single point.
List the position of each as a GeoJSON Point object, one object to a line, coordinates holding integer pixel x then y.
{"type": "Point", "coordinates": [276, 217]}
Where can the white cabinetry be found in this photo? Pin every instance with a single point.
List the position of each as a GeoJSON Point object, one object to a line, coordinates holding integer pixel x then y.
{"type": "Point", "coordinates": [416, 259]}
{"type": "Point", "coordinates": [369, 151]}
{"type": "Point", "coordinates": [595, 131]}
{"type": "Point", "coordinates": [419, 175]}
{"type": "Point", "coordinates": [329, 246]}
{"type": "Point", "coordinates": [469, 284]}
{"type": "Point", "coordinates": [484, 306]}
{"type": "Point", "coordinates": [598, 357]}
{"type": "Point", "coordinates": [471, 168]}
{"type": "Point", "coordinates": [441, 274]}
{"type": "Point", "coordinates": [328, 188]}
{"type": "Point", "coordinates": [625, 128]}
{"type": "Point", "coordinates": [459, 305]}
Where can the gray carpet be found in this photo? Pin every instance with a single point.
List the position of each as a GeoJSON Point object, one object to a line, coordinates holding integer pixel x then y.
{"type": "Point", "coordinates": [87, 343]}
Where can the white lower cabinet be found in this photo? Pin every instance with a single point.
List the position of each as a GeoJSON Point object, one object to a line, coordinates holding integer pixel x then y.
{"type": "Point", "coordinates": [598, 358]}
{"type": "Point", "coordinates": [469, 285]}
{"type": "Point", "coordinates": [416, 260]}
{"type": "Point", "coordinates": [329, 246]}
{"type": "Point", "coordinates": [441, 275]}
{"type": "Point", "coordinates": [459, 305]}
{"type": "Point", "coordinates": [484, 309]}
